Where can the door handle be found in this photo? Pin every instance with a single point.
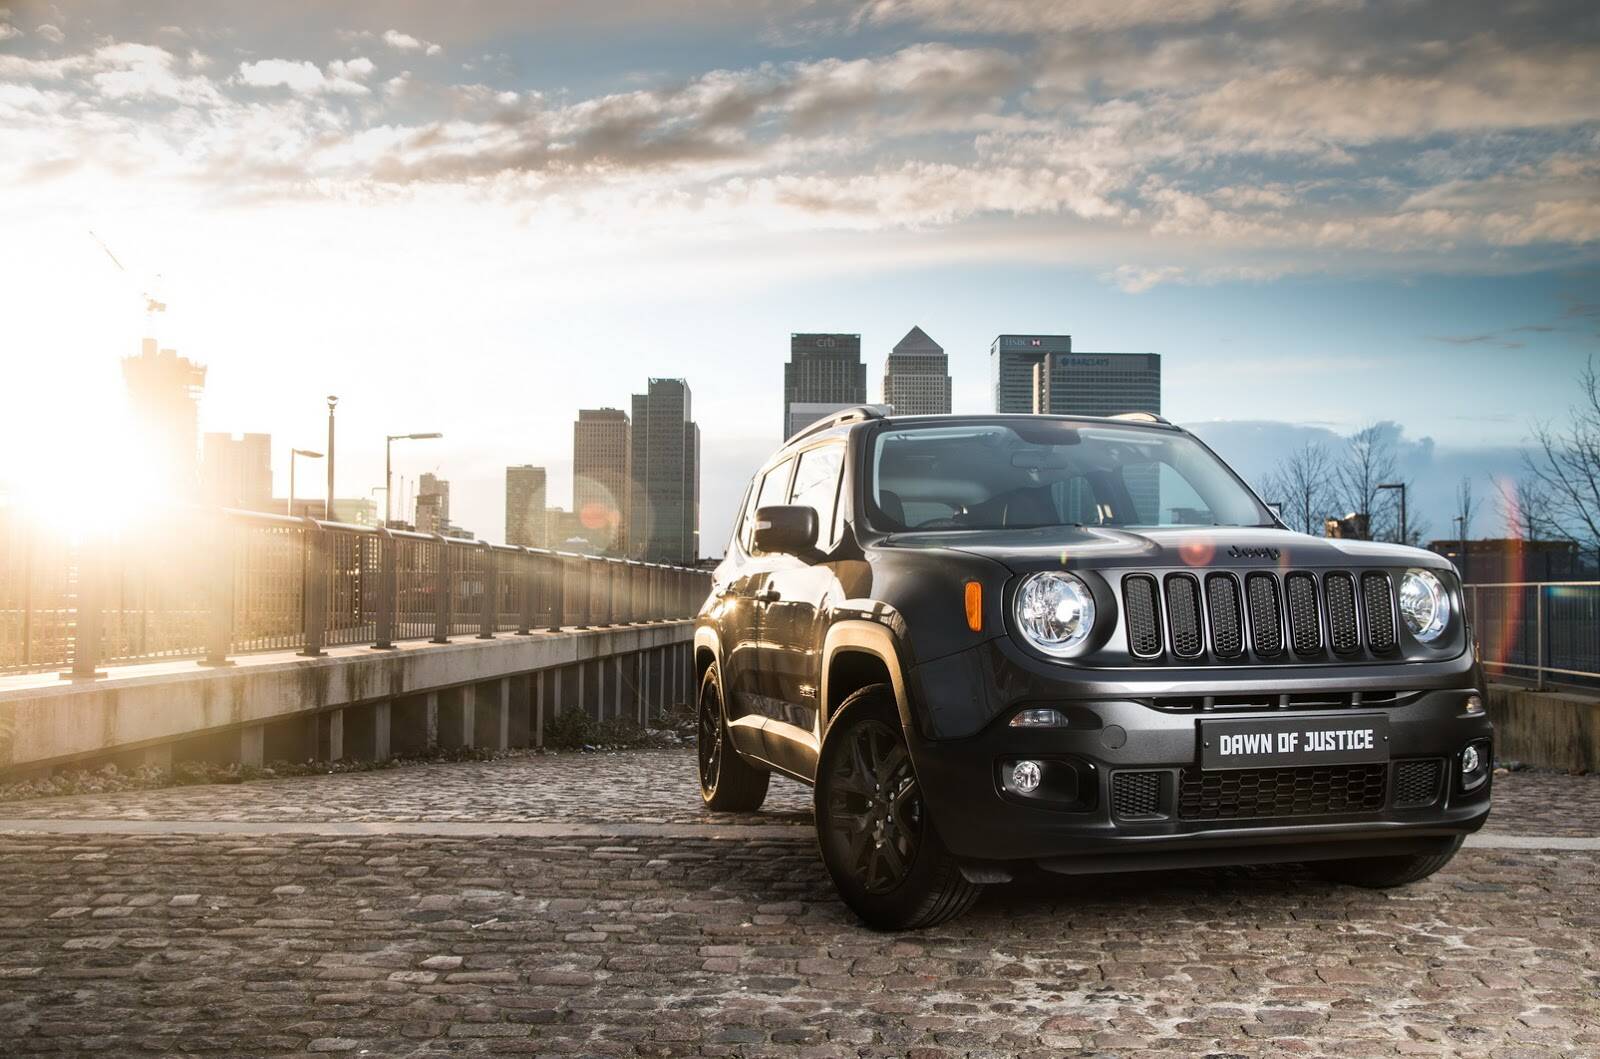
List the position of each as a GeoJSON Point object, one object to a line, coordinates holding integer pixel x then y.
{"type": "Point", "coordinates": [767, 595]}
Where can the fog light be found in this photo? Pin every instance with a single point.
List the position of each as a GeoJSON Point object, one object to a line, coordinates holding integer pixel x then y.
{"type": "Point", "coordinates": [1039, 717]}
{"type": "Point", "coordinates": [1474, 704]}
{"type": "Point", "coordinates": [1469, 760]}
{"type": "Point", "coordinates": [1474, 765]}
{"type": "Point", "coordinates": [1025, 776]}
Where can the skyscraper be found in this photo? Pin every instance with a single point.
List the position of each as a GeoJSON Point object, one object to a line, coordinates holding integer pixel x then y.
{"type": "Point", "coordinates": [916, 377]}
{"type": "Point", "coordinates": [664, 508]}
{"type": "Point", "coordinates": [526, 525]}
{"type": "Point", "coordinates": [602, 455]}
{"type": "Point", "coordinates": [164, 391]}
{"type": "Point", "coordinates": [823, 369]}
{"type": "Point", "coordinates": [433, 504]}
{"type": "Point", "coordinates": [1012, 359]}
{"type": "Point", "coordinates": [1098, 384]}
{"type": "Point", "coordinates": [236, 471]}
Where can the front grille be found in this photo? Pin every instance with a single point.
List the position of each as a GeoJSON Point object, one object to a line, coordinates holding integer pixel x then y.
{"type": "Point", "coordinates": [1183, 614]}
{"type": "Point", "coordinates": [1227, 624]}
{"type": "Point", "coordinates": [1342, 632]}
{"type": "Point", "coordinates": [1379, 604]}
{"type": "Point", "coordinates": [1136, 794]}
{"type": "Point", "coordinates": [1416, 783]}
{"type": "Point", "coordinates": [1251, 794]}
{"type": "Point", "coordinates": [1305, 627]}
{"type": "Point", "coordinates": [1144, 620]}
{"type": "Point", "coordinates": [1266, 625]}
{"type": "Point", "coordinates": [1262, 616]}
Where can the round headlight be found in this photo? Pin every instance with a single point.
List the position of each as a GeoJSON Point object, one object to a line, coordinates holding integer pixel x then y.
{"type": "Point", "coordinates": [1424, 604]}
{"type": "Point", "coordinates": [1055, 612]}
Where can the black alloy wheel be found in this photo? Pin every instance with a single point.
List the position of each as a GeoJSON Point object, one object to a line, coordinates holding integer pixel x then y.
{"type": "Point", "coordinates": [728, 783]}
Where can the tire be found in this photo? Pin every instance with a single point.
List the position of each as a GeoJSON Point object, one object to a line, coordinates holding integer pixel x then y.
{"type": "Point", "coordinates": [728, 783]}
{"type": "Point", "coordinates": [878, 844]}
{"type": "Point", "coordinates": [1381, 873]}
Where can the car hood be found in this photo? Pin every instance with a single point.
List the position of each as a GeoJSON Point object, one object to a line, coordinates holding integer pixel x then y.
{"type": "Point", "coordinates": [1091, 547]}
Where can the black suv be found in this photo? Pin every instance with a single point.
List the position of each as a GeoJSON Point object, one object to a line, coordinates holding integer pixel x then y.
{"type": "Point", "coordinates": [1082, 644]}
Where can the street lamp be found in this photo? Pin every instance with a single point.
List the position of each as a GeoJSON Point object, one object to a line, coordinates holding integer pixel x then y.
{"type": "Point", "coordinates": [388, 467]}
{"type": "Point", "coordinates": [308, 454]}
{"type": "Point", "coordinates": [1404, 537]}
{"type": "Point", "coordinates": [332, 400]}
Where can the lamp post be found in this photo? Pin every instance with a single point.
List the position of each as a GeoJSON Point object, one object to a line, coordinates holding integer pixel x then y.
{"type": "Point", "coordinates": [332, 400]}
{"type": "Point", "coordinates": [388, 467]}
{"type": "Point", "coordinates": [308, 454]}
{"type": "Point", "coordinates": [1404, 537]}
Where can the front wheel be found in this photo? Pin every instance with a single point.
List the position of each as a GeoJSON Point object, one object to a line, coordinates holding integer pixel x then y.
{"type": "Point", "coordinates": [728, 783]}
{"type": "Point", "coordinates": [878, 844]}
{"type": "Point", "coordinates": [1381, 873]}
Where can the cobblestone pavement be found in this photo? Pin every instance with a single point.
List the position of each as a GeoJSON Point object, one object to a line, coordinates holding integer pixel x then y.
{"type": "Point", "coordinates": [421, 945]}
{"type": "Point", "coordinates": [641, 786]}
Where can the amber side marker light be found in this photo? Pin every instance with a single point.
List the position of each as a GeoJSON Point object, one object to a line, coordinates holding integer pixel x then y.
{"type": "Point", "coordinates": [974, 606]}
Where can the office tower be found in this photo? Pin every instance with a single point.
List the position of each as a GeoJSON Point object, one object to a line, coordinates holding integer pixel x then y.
{"type": "Point", "coordinates": [433, 504]}
{"type": "Point", "coordinates": [664, 508]}
{"type": "Point", "coordinates": [916, 377]}
{"type": "Point", "coordinates": [566, 532]}
{"type": "Point", "coordinates": [1098, 384]}
{"type": "Point", "coordinates": [236, 471]}
{"type": "Point", "coordinates": [1012, 360]}
{"type": "Point", "coordinates": [525, 507]}
{"type": "Point", "coordinates": [823, 369]}
{"type": "Point", "coordinates": [164, 392]}
{"type": "Point", "coordinates": [602, 456]}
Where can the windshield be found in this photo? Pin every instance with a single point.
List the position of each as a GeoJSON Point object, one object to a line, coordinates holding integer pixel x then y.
{"type": "Point", "coordinates": [1030, 473]}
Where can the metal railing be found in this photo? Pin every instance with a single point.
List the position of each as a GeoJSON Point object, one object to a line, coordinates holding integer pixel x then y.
{"type": "Point", "coordinates": [220, 583]}
{"type": "Point", "coordinates": [1541, 631]}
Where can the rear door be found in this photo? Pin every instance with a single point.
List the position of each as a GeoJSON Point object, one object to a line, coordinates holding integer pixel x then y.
{"type": "Point", "coordinates": [743, 618]}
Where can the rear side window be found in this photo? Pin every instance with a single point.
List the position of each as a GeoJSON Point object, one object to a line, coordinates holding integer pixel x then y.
{"type": "Point", "coordinates": [816, 485]}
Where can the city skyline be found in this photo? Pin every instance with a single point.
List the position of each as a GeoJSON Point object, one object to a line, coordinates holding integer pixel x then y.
{"type": "Point", "coordinates": [1401, 228]}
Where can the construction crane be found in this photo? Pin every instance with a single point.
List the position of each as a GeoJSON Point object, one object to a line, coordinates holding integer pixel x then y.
{"type": "Point", "coordinates": [152, 305]}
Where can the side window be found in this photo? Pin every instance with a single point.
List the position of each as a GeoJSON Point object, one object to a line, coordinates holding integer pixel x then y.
{"type": "Point", "coordinates": [774, 488]}
{"type": "Point", "coordinates": [816, 485]}
{"type": "Point", "coordinates": [747, 514]}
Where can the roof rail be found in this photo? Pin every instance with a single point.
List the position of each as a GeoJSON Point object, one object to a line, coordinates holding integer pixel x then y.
{"type": "Point", "coordinates": [1141, 417]}
{"type": "Point", "coordinates": [843, 415]}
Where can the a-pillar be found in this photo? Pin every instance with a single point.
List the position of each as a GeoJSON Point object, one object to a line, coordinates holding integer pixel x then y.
{"type": "Point", "coordinates": [457, 723]}
{"type": "Point", "coordinates": [492, 714]}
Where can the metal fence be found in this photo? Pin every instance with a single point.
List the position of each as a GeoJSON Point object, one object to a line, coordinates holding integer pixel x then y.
{"type": "Point", "coordinates": [219, 583]}
{"type": "Point", "coordinates": [1540, 631]}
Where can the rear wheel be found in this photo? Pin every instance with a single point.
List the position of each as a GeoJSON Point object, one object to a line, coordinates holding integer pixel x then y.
{"type": "Point", "coordinates": [877, 842]}
{"type": "Point", "coordinates": [728, 783]}
{"type": "Point", "coordinates": [1381, 873]}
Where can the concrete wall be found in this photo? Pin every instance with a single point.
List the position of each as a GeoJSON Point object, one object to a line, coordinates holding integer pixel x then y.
{"type": "Point", "coordinates": [1545, 728]}
{"type": "Point", "coordinates": [353, 701]}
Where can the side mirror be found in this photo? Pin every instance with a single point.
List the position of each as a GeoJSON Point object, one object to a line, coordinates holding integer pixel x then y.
{"type": "Point", "coordinates": [790, 530]}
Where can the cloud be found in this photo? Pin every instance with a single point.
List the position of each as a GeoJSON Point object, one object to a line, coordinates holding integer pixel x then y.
{"type": "Point", "coordinates": [51, 33]}
{"type": "Point", "coordinates": [406, 42]}
{"type": "Point", "coordinates": [342, 76]}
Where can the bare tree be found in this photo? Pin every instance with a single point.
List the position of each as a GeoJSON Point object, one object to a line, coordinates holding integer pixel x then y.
{"type": "Point", "coordinates": [1465, 506]}
{"type": "Point", "coordinates": [1302, 484]}
{"type": "Point", "coordinates": [1525, 505]}
{"type": "Point", "coordinates": [1566, 468]}
{"type": "Point", "coordinates": [1368, 461]}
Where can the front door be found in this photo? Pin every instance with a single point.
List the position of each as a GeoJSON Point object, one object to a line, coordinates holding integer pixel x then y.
{"type": "Point", "coordinates": [796, 620]}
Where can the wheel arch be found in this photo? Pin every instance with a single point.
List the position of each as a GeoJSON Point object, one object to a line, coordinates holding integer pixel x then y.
{"type": "Point", "coordinates": [857, 654]}
{"type": "Point", "coordinates": [707, 652]}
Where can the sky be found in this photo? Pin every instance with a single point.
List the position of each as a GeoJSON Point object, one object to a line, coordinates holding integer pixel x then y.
{"type": "Point", "coordinates": [476, 218]}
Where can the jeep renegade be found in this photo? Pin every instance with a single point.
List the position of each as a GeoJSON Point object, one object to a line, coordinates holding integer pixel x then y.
{"type": "Point", "coordinates": [1081, 644]}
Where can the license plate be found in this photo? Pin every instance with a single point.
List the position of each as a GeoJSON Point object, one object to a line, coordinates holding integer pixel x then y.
{"type": "Point", "coordinates": [1290, 741]}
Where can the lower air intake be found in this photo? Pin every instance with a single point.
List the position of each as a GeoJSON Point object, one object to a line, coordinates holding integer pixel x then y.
{"type": "Point", "coordinates": [1253, 794]}
{"type": "Point", "coordinates": [1135, 794]}
{"type": "Point", "coordinates": [1416, 783]}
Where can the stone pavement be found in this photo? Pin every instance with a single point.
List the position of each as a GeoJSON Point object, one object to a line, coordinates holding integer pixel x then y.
{"type": "Point", "coordinates": [725, 938]}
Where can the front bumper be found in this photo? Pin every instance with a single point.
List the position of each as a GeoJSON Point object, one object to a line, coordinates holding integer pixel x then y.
{"type": "Point", "coordinates": [1080, 826]}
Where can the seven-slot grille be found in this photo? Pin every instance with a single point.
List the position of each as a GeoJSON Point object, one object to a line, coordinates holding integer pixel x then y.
{"type": "Point", "coordinates": [1264, 616]}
